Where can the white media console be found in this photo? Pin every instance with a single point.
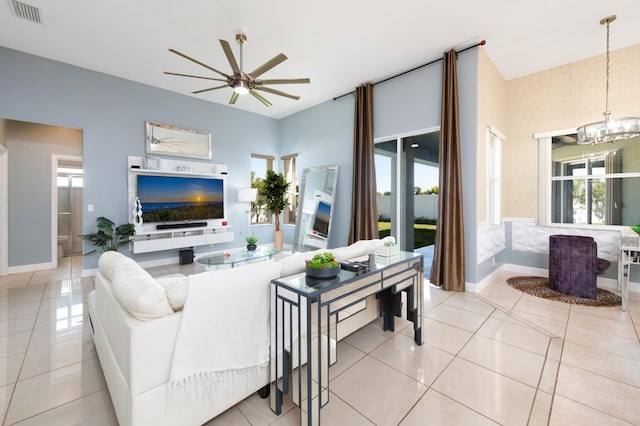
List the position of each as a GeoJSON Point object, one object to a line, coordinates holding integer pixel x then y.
{"type": "Point", "coordinates": [152, 237]}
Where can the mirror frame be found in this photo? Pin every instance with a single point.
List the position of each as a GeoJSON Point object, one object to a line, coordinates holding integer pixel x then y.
{"type": "Point", "coordinates": [176, 141]}
{"type": "Point", "coordinates": [306, 212]}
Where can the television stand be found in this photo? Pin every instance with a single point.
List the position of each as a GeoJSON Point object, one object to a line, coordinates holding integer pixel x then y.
{"type": "Point", "coordinates": [169, 239]}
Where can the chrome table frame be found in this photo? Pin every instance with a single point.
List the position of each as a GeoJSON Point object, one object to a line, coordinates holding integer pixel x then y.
{"type": "Point", "coordinates": [298, 303]}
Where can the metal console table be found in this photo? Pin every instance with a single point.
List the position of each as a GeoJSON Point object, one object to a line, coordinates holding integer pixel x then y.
{"type": "Point", "coordinates": [306, 314]}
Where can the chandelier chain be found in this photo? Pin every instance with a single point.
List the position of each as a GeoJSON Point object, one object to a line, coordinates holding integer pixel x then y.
{"type": "Point", "coordinates": [606, 110]}
{"type": "Point", "coordinates": [608, 130]}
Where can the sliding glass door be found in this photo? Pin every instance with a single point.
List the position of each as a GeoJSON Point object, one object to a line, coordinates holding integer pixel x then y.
{"type": "Point", "coordinates": [407, 185]}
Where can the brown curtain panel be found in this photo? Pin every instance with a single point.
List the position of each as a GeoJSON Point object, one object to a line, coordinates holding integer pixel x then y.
{"type": "Point", "coordinates": [447, 269]}
{"type": "Point", "coordinates": [364, 208]}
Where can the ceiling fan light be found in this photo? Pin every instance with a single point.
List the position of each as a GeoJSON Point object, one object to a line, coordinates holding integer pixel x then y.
{"type": "Point", "coordinates": [241, 87]}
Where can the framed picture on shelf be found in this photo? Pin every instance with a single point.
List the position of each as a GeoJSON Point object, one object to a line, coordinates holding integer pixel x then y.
{"type": "Point", "coordinates": [175, 141]}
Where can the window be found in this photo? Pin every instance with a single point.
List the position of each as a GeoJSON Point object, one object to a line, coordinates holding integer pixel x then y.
{"type": "Point", "coordinates": [289, 167]}
{"type": "Point", "coordinates": [259, 166]}
{"type": "Point", "coordinates": [594, 184]}
{"type": "Point", "coordinates": [494, 173]}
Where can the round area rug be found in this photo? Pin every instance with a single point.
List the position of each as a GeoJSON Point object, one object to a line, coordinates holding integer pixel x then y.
{"type": "Point", "coordinates": [539, 286]}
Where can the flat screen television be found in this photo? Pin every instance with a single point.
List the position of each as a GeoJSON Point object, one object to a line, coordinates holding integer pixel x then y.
{"type": "Point", "coordinates": [322, 218]}
{"type": "Point", "coordinates": [180, 198]}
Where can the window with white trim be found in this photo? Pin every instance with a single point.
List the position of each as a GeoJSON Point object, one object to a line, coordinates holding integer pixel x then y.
{"type": "Point", "coordinates": [259, 166]}
{"type": "Point", "coordinates": [289, 170]}
{"type": "Point", "coordinates": [594, 184]}
{"type": "Point", "coordinates": [494, 175]}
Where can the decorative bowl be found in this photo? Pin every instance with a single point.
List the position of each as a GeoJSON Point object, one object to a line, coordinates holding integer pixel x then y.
{"type": "Point", "coordinates": [322, 273]}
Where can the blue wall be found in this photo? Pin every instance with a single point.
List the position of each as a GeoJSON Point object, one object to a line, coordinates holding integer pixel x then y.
{"type": "Point", "coordinates": [112, 111]}
{"type": "Point", "coordinates": [323, 135]}
{"type": "Point", "coordinates": [412, 102]}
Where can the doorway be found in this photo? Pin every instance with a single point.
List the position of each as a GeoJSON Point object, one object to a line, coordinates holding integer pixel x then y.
{"type": "Point", "coordinates": [407, 178]}
{"type": "Point", "coordinates": [31, 199]}
{"type": "Point", "coordinates": [68, 194]}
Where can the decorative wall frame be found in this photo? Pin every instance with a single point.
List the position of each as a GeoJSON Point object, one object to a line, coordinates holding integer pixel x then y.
{"type": "Point", "coordinates": [175, 141]}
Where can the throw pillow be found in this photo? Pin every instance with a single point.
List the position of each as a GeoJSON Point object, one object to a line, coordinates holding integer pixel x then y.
{"type": "Point", "coordinates": [110, 260]}
{"type": "Point", "coordinates": [139, 293]}
{"type": "Point", "coordinates": [176, 288]}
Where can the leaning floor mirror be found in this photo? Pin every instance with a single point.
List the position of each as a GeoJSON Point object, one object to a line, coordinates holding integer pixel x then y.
{"type": "Point", "coordinates": [315, 207]}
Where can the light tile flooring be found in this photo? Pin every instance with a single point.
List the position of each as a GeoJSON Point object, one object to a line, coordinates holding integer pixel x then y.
{"type": "Point", "coordinates": [498, 357]}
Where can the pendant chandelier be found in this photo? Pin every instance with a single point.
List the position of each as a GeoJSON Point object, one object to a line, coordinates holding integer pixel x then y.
{"type": "Point", "coordinates": [609, 130]}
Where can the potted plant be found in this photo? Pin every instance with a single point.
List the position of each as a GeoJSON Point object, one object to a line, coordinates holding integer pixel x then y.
{"type": "Point", "coordinates": [322, 266]}
{"type": "Point", "coordinates": [251, 242]}
{"type": "Point", "coordinates": [108, 238]}
{"type": "Point", "coordinates": [274, 189]}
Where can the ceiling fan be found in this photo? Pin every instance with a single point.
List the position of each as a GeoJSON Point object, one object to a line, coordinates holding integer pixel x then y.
{"type": "Point", "coordinates": [241, 82]}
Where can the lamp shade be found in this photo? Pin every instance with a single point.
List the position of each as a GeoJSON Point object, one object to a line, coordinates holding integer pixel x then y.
{"type": "Point", "coordinates": [247, 195]}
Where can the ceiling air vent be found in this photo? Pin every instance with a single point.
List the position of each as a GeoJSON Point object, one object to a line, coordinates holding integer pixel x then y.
{"type": "Point", "coordinates": [25, 11]}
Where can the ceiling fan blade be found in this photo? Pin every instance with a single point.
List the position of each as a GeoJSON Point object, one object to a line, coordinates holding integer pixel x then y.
{"type": "Point", "coordinates": [199, 63]}
{"type": "Point", "coordinates": [260, 98]}
{"type": "Point", "coordinates": [278, 92]}
{"type": "Point", "coordinates": [284, 81]}
{"type": "Point", "coordinates": [278, 59]}
{"type": "Point", "coordinates": [210, 88]}
{"type": "Point", "coordinates": [234, 98]}
{"type": "Point", "coordinates": [229, 53]}
{"type": "Point", "coordinates": [194, 76]}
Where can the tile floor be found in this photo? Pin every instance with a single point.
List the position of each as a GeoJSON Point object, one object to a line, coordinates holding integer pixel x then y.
{"type": "Point", "coordinates": [497, 357]}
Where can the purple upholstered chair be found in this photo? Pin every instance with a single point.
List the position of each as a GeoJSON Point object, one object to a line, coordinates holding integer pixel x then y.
{"type": "Point", "coordinates": [574, 265]}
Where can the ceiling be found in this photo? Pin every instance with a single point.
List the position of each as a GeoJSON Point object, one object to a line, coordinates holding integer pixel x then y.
{"type": "Point", "coordinates": [338, 44]}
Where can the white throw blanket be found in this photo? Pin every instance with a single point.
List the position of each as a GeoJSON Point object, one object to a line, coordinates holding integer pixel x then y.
{"type": "Point", "coordinates": [224, 331]}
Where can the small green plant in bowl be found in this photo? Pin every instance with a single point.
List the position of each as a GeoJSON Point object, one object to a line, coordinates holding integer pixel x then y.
{"type": "Point", "coordinates": [322, 266]}
{"type": "Point", "coordinates": [251, 242]}
{"type": "Point", "coordinates": [389, 243]}
{"type": "Point", "coordinates": [636, 229]}
{"type": "Point", "coordinates": [322, 261]}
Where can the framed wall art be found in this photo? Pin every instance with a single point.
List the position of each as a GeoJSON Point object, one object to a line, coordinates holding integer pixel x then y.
{"type": "Point", "coordinates": [175, 141]}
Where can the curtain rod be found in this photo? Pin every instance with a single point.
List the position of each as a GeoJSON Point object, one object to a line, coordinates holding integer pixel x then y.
{"type": "Point", "coordinates": [481, 43]}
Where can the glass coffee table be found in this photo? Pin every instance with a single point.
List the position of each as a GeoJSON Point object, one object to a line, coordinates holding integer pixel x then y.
{"type": "Point", "coordinates": [236, 257]}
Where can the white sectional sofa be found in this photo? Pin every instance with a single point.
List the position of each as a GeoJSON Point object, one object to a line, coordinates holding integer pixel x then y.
{"type": "Point", "coordinates": [136, 320]}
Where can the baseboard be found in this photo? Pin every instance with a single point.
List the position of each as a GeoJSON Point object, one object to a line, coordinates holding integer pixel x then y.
{"type": "Point", "coordinates": [526, 270]}
{"type": "Point", "coordinates": [478, 287]}
{"type": "Point", "coordinates": [30, 268]}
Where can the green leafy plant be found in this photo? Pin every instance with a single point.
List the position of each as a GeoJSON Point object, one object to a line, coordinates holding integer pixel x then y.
{"type": "Point", "coordinates": [389, 243]}
{"type": "Point", "coordinates": [636, 229]}
{"type": "Point", "coordinates": [322, 261]}
{"type": "Point", "coordinates": [274, 189]}
{"type": "Point", "coordinates": [251, 239]}
{"type": "Point", "coordinates": [107, 238]}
